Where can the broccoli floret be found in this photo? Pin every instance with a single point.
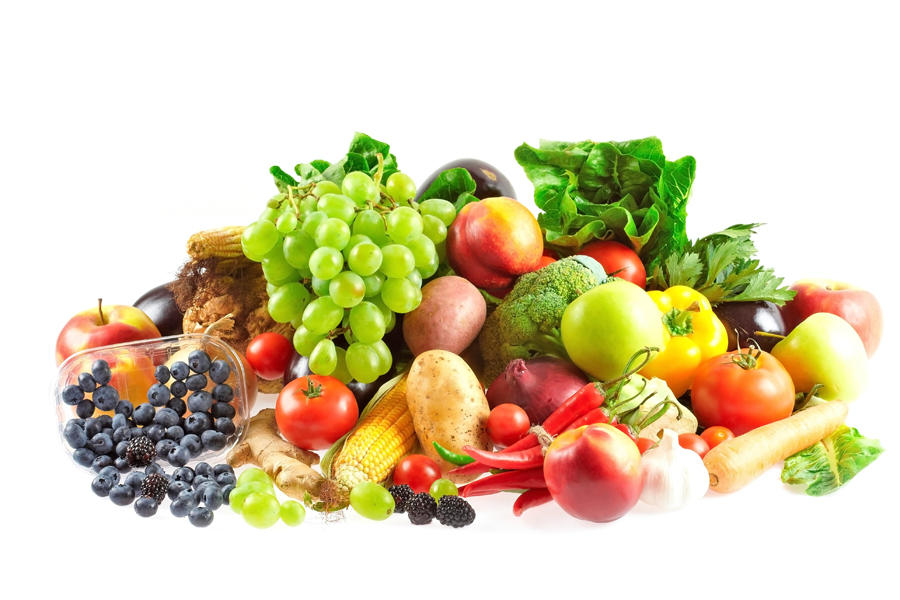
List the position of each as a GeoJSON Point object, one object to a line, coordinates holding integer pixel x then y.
{"type": "Point", "coordinates": [526, 323]}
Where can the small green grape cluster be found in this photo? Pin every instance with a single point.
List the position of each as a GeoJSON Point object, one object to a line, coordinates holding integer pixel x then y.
{"type": "Point", "coordinates": [344, 260]}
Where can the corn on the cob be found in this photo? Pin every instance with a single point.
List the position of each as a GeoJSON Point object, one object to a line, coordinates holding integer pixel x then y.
{"type": "Point", "coordinates": [381, 439]}
{"type": "Point", "coordinates": [223, 242]}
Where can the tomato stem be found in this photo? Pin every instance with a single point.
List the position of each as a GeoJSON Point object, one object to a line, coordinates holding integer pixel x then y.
{"type": "Point", "coordinates": [313, 390]}
{"type": "Point", "coordinates": [746, 360]}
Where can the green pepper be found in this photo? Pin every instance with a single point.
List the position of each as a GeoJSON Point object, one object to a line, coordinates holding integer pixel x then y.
{"type": "Point", "coordinates": [452, 457]}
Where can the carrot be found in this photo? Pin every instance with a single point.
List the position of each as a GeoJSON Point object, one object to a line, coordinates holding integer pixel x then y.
{"type": "Point", "coordinates": [738, 461]}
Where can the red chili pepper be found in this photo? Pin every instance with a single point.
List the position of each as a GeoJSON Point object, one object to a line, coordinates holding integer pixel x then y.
{"type": "Point", "coordinates": [626, 430]}
{"type": "Point", "coordinates": [524, 459]}
{"type": "Point", "coordinates": [530, 499]}
{"type": "Point", "coordinates": [508, 480]}
{"type": "Point", "coordinates": [598, 415]}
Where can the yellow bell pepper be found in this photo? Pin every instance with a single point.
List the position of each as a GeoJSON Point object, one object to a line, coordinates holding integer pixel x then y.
{"type": "Point", "coordinates": [693, 334]}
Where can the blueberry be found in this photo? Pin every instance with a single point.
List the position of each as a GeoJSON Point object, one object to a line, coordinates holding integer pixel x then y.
{"type": "Point", "coordinates": [223, 468]}
{"type": "Point", "coordinates": [108, 431]}
{"type": "Point", "coordinates": [178, 405]}
{"type": "Point", "coordinates": [102, 444]}
{"type": "Point", "coordinates": [84, 457]}
{"type": "Point", "coordinates": [221, 409]}
{"type": "Point", "coordinates": [178, 389]}
{"type": "Point", "coordinates": [121, 464]}
{"type": "Point", "coordinates": [79, 422]}
{"type": "Point", "coordinates": [101, 461]}
{"type": "Point", "coordinates": [179, 370]}
{"type": "Point", "coordinates": [92, 427]}
{"type": "Point", "coordinates": [163, 447]}
{"type": "Point", "coordinates": [106, 397]}
{"type": "Point", "coordinates": [196, 382]}
{"type": "Point", "coordinates": [166, 417]}
{"type": "Point", "coordinates": [100, 371]}
{"type": "Point", "coordinates": [176, 487]}
{"type": "Point", "coordinates": [122, 448]}
{"type": "Point", "coordinates": [174, 433]}
{"type": "Point", "coordinates": [145, 506]}
{"type": "Point", "coordinates": [200, 401]}
{"type": "Point", "coordinates": [185, 474]}
{"type": "Point", "coordinates": [183, 505]}
{"type": "Point", "coordinates": [101, 486]}
{"type": "Point", "coordinates": [197, 423]}
{"type": "Point", "coordinates": [118, 421]}
{"type": "Point", "coordinates": [134, 480]}
{"type": "Point", "coordinates": [226, 492]}
{"type": "Point", "coordinates": [162, 374]}
{"type": "Point", "coordinates": [158, 395]}
{"type": "Point", "coordinates": [211, 497]}
{"type": "Point", "coordinates": [204, 469]}
{"type": "Point", "coordinates": [72, 395]}
{"type": "Point", "coordinates": [74, 435]}
{"type": "Point", "coordinates": [86, 382]}
{"type": "Point", "coordinates": [225, 425]}
{"type": "Point", "coordinates": [224, 479]}
{"type": "Point", "coordinates": [143, 414]}
{"type": "Point", "coordinates": [193, 444]}
{"type": "Point", "coordinates": [122, 434]}
{"type": "Point", "coordinates": [136, 432]}
{"type": "Point", "coordinates": [199, 361]}
{"type": "Point", "coordinates": [219, 371]}
{"type": "Point", "coordinates": [110, 473]}
{"type": "Point", "coordinates": [213, 440]}
{"type": "Point", "coordinates": [154, 468]}
{"type": "Point", "coordinates": [125, 407]}
{"type": "Point", "coordinates": [223, 393]}
{"type": "Point", "coordinates": [105, 421]}
{"type": "Point", "coordinates": [179, 455]}
{"type": "Point", "coordinates": [85, 409]}
{"type": "Point", "coordinates": [122, 495]}
{"type": "Point", "coordinates": [155, 432]}
{"type": "Point", "coordinates": [200, 480]}
{"type": "Point", "coordinates": [200, 517]}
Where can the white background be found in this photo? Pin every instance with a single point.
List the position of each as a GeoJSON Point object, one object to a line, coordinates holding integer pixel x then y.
{"type": "Point", "coordinates": [126, 128]}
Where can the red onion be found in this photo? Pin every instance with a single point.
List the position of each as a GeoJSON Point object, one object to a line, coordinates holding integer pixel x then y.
{"type": "Point", "coordinates": [538, 385]}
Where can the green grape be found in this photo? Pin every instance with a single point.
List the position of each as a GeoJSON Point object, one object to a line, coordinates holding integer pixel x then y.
{"type": "Point", "coordinates": [322, 315]}
{"type": "Point", "coordinates": [377, 301]}
{"type": "Point", "coordinates": [367, 322]}
{"type": "Point", "coordinates": [254, 474]}
{"type": "Point", "coordinates": [305, 273]}
{"type": "Point", "coordinates": [308, 205]}
{"type": "Point", "coordinates": [249, 254]}
{"type": "Point", "coordinates": [442, 252]}
{"type": "Point", "coordinates": [320, 286]}
{"type": "Point", "coordinates": [423, 251]}
{"type": "Point", "coordinates": [354, 241]}
{"type": "Point", "coordinates": [373, 284]}
{"type": "Point", "coordinates": [312, 221]}
{"type": "Point", "coordinates": [442, 209]}
{"type": "Point", "coordinates": [404, 224]}
{"type": "Point", "coordinates": [391, 322]}
{"type": "Point", "coordinates": [371, 501]}
{"type": "Point", "coordinates": [401, 187]}
{"type": "Point", "coordinates": [398, 294]}
{"type": "Point", "coordinates": [384, 356]}
{"type": "Point", "coordinates": [341, 372]}
{"type": "Point", "coordinates": [347, 289]}
{"type": "Point", "coordinates": [298, 247]}
{"type": "Point", "coordinates": [270, 214]}
{"type": "Point", "coordinates": [270, 288]}
{"type": "Point", "coordinates": [276, 268]}
{"type": "Point", "coordinates": [371, 224]}
{"type": "Point", "coordinates": [416, 278]}
{"type": "Point", "coordinates": [431, 269]}
{"type": "Point", "coordinates": [326, 187]}
{"type": "Point", "coordinates": [242, 490]}
{"type": "Point", "coordinates": [326, 262]}
{"type": "Point", "coordinates": [288, 302]}
{"type": "Point", "coordinates": [333, 233]}
{"type": "Point", "coordinates": [359, 187]}
{"type": "Point", "coordinates": [260, 510]}
{"type": "Point", "coordinates": [365, 258]}
{"type": "Point", "coordinates": [297, 322]}
{"type": "Point", "coordinates": [305, 341]}
{"type": "Point", "coordinates": [259, 237]}
{"type": "Point", "coordinates": [363, 362]}
{"type": "Point", "coordinates": [434, 228]}
{"type": "Point", "coordinates": [337, 207]}
{"type": "Point", "coordinates": [292, 513]}
{"type": "Point", "coordinates": [397, 261]}
{"type": "Point", "coordinates": [286, 223]}
{"type": "Point", "coordinates": [323, 359]}
{"type": "Point", "coordinates": [276, 200]}
{"type": "Point", "coordinates": [443, 487]}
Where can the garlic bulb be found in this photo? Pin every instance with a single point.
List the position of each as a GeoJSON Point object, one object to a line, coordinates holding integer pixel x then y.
{"type": "Point", "coordinates": [673, 476]}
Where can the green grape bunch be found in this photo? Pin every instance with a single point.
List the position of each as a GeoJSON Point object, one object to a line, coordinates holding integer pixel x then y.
{"type": "Point", "coordinates": [344, 258]}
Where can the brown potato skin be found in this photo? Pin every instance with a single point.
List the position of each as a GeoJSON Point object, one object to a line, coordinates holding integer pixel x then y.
{"type": "Point", "coordinates": [448, 406]}
{"type": "Point", "coordinates": [449, 317]}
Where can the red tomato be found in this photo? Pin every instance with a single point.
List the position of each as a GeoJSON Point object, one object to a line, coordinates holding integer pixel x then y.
{"type": "Point", "coordinates": [715, 435]}
{"type": "Point", "coordinates": [645, 444]}
{"type": "Point", "coordinates": [417, 471]}
{"type": "Point", "coordinates": [269, 353]}
{"type": "Point", "coordinates": [614, 256]}
{"type": "Point", "coordinates": [692, 441]}
{"type": "Point", "coordinates": [507, 423]}
{"type": "Point", "coordinates": [741, 390]}
{"type": "Point", "coordinates": [313, 412]}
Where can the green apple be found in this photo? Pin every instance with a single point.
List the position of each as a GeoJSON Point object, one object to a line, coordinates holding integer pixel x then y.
{"type": "Point", "coordinates": [825, 349]}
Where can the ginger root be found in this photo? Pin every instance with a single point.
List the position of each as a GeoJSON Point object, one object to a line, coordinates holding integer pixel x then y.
{"type": "Point", "coordinates": [288, 466]}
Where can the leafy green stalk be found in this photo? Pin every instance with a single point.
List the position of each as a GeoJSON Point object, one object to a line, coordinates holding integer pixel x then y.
{"type": "Point", "coordinates": [831, 463]}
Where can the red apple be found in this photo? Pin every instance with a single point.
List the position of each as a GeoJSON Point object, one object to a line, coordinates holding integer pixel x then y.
{"type": "Point", "coordinates": [855, 305]}
{"type": "Point", "coordinates": [102, 326]}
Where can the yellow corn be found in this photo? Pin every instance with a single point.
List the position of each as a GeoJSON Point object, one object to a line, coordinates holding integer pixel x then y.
{"type": "Point", "coordinates": [224, 242]}
{"type": "Point", "coordinates": [383, 437]}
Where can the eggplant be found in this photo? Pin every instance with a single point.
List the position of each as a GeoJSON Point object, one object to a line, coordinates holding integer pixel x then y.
{"type": "Point", "coordinates": [744, 319]}
{"type": "Point", "coordinates": [489, 182]}
{"type": "Point", "coordinates": [159, 305]}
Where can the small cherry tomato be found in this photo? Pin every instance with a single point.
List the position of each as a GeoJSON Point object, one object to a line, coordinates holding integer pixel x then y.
{"type": "Point", "coordinates": [269, 353]}
{"type": "Point", "coordinates": [645, 444]}
{"type": "Point", "coordinates": [692, 441]}
{"type": "Point", "coordinates": [417, 471]}
{"type": "Point", "coordinates": [507, 423]}
{"type": "Point", "coordinates": [715, 435]}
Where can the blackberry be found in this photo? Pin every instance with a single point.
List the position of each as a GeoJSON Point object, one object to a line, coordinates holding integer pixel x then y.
{"type": "Point", "coordinates": [155, 486]}
{"type": "Point", "coordinates": [454, 511]}
{"type": "Point", "coordinates": [421, 509]}
{"type": "Point", "coordinates": [402, 495]}
{"type": "Point", "coordinates": [141, 451]}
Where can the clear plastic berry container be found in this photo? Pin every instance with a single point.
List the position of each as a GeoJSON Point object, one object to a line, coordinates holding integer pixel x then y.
{"type": "Point", "coordinates": [133, 367]}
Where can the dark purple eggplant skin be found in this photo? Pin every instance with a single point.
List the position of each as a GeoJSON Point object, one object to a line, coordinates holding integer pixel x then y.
{"type": "Point", "coordinates": [159, 305]}
{"type": "Point", "coordinates": [489, 182]}
{"type": "Point", "coordinates": [748, 318]}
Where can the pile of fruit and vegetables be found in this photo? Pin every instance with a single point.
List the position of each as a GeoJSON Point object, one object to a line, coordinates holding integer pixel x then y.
{"type": "Point", "coordinates": [432, 344]}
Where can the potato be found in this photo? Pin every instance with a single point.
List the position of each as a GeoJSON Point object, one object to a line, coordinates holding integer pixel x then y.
{"type": "Point", "coordinates": [448, 407]}
{"type": "Point", "coordinates": [449, 318]}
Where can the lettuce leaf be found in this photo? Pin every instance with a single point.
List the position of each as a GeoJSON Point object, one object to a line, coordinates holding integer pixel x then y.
{"type": "Point", "coordinates": [361, 156]}
{"type": "Point", "coordinates": [832, 462]}
{"type": "Point", "coordinates": [453, 185]}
